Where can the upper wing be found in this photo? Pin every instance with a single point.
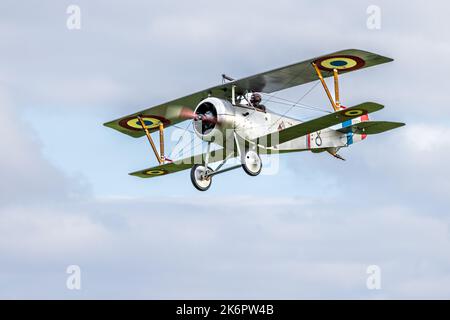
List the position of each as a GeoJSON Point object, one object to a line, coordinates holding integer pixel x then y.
{"type": "Point", "coordinates": [317, 124]}
{"type": "Point", "coordinates": [296, 74]}
{"type": "Point", "coordinates": [371, 127]}
{"type": "Point", "coordinates": [183, 164]}
{"type": "Point", "coordinates": [168, 113]}
{"type": "Point", "coordinates": [303, 72]}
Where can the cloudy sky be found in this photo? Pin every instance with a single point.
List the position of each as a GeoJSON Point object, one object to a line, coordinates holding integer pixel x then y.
{"type": "Point", "coordinates": [310, 231]}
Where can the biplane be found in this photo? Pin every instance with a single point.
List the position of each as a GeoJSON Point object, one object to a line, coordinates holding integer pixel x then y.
{"type": "Point", "coordinates": [232, 118]}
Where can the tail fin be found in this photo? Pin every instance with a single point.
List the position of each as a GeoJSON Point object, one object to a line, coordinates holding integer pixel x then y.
{"type": "Point", "coordinates": [354, 137]}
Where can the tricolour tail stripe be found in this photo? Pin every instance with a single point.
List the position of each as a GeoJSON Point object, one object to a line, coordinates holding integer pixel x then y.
{"type": "Point", "coordinates": [349, 134]}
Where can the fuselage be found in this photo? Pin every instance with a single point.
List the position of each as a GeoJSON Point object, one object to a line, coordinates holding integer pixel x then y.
{"type": "Point", "coordinates": [250, 123]}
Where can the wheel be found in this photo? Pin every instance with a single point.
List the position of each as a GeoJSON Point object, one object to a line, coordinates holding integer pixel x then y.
{"type": "Point", "coordinates": [252, 163]}
{"type": "Point", "coordinates": [200, 183]}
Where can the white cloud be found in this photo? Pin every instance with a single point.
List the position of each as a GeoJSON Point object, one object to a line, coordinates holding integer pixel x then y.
{"type": "Point", "coordinates": [417, 159]}
{"type": "Point", "coordinates": [26, 174]}
{"type": "Point", "coordinates": [47, 232]}
{"type": "Point", "coordinates": [150, 249]}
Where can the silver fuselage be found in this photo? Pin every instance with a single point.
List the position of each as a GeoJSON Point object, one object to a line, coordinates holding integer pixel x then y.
{"type": "Point", "coordinates": [251, 123]}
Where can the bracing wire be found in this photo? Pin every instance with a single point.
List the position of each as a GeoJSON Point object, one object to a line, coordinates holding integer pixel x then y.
{"type": "Point", "coordinates": [296, 103]}
{"type": "Point", "coordinates": [181, 137]}
{"type": "Point", "coordinates": [299, 105]}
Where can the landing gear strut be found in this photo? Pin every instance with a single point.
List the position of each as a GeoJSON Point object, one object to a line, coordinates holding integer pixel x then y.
{"type": "Point", "coordinates": [250, 160]}
{"type": "Point", "coordinates": [201, 174]}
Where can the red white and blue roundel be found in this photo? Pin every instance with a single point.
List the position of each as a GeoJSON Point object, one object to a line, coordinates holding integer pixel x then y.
{"type": "Point", "coordinates": [340, 63]}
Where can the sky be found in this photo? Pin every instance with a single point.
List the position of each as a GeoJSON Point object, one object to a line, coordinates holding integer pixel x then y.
{"type": "Point", "coordinates": [309, 231]}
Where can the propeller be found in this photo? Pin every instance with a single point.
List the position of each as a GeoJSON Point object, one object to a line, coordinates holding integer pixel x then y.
{"type": "Point", "coordinates": [186, 113]}
{"type": "Point", "coordinates": [204, 119]}
{"type": "Point", "coordinates": [208, 116]}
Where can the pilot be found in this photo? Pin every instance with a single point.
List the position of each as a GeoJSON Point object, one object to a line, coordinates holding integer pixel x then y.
{"type": "Point", "coordinates": [255, 100]}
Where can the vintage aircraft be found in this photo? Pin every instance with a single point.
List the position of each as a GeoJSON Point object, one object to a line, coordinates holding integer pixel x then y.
{"type": "Point", "coordinates": [231, 116]}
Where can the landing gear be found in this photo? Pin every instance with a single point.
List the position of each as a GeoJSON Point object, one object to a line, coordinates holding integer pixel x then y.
{"type": "Point", "coordinates": [200, 180]}
{"type": "Point", "coordinates": [251, 163]}
{"type": "Point", "coordinates": [201, 174]}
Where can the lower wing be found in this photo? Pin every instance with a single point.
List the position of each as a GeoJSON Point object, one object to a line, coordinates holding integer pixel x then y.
{"type": "Point", "coordinates": [182, 164]}
{"type": "Point", "coordinates": [317, 124]}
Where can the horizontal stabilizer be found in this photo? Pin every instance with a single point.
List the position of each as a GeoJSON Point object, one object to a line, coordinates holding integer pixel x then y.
{"type": "Point", "coordinates": [371, 127]}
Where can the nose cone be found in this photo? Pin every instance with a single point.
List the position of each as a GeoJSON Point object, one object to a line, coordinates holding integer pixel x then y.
{"type": "Point", "coordinates": [205, 118]}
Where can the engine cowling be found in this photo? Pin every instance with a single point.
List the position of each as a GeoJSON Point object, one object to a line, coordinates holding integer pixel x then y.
{"type": "Point", "coordinates": [213, 119]}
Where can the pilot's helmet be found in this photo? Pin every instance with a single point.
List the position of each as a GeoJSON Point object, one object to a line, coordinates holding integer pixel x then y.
{"type": "Point", "coordinates": [255, 99]}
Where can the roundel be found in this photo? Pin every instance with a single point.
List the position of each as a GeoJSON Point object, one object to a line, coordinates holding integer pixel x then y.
{"type": "Point", "coordinates": [347, 63]}
{"type": "Point", "coordinates": [132, 123]}
{"type": "Point", "coordinates": [156, 172]}
{"type": "Point", "coordinates": [353, 113]}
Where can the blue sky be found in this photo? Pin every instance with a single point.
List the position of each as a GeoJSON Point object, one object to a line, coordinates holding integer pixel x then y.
{"type": "Point", "coordinates": [309, 231]}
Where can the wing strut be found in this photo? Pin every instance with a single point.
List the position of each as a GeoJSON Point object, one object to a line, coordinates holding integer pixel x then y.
{"type": "Point", "coordinates": [334, 103]}
{"type": "Point", "coordinates": [159, 156]}
{"type": "Point", "coordinates": [336, 88]}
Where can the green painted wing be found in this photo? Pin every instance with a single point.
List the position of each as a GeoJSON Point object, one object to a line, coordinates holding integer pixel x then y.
{"type": "Point", "coordinates": [182, 164]}
{"type": "Point", "coordinates": [169, 113]}
{"type": "Point", "coordinates": [173, 112]}
{"type": "Point", "coordinates": [371, 127]}
{"type": "Point", "coordinates": [303, 72]}
{"type": "Point", "coordinates": [317, 124]}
